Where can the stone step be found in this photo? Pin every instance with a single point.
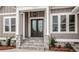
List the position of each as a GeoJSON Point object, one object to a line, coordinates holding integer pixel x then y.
{"type": "Point", "coordinates": [33, 43]}
{"type": "Point", "coordinates": [32, 48]}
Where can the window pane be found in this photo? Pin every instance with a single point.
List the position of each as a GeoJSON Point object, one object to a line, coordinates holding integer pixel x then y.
{"type": "Point", "coordinates": [63, 18]}
{"type": "Point", "coordinates": [55, 19]}
{"type": "Point", "coordinates": [55, 27]}
{"type": "Point", "coordinates": [71, 18]}
{"type": "Point", "coordinates": [34, 25]}
{"type": "Point", "coordinates": [71, 22]}
{"type": "Point", "coordinates": [12, 24]}
{"type": "Point", "coordinates": [63, 22]}
{"type": "Point", "coordinates": [55, 23]}
{"type": "Point", "coordinates": [63, 27]}
{"type": "Point", "coordinates": [71, 27]}
{"type": "Point", "coordinates": [7, 24]}
{"type": "Point", "coordinates": [40, 25]}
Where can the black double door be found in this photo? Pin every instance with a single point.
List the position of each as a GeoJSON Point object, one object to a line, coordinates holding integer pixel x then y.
{"type": "Point", "coordinates": [37, 26]}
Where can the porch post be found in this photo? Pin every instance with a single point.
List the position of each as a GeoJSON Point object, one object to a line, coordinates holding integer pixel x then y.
{"type": "Point", "coordinates": [17, 29]}
{"type": "Point", "coordinates": [47, 17]}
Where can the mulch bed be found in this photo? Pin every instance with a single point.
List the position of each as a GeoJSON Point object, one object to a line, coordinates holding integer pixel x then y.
{"type": "Point", "coordinates": [62, 49]}
{"type": "Point", "coordinates": [7, 47]}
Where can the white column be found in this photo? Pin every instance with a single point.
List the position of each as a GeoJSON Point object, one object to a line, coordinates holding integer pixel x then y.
{"type": "Point", "coordinates": [17, 21]}
{"type": "Point", "coordinates": [23, 25]}
{"type": "Point", "coordinates": [17, 29]}
{"type": "Point", "coordinates": [48, 18]}
{"type": "Point", "coordinates": [46, 30]}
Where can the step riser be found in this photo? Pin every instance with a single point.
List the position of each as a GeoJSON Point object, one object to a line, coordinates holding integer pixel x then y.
{"type": "Point", "coordinates": [33, 44]}
{"type": "Point", "coordinates": [32, 47]}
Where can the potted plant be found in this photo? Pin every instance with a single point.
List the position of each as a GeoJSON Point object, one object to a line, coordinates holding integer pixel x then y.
{"type": "Point", "coordinates": [52, 42]}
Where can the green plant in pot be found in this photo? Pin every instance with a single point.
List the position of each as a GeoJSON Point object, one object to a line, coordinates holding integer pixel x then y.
{"type": "Point", "coordinates": [52, 42]}
{"type": "Point", "coordinates": [9, 41]}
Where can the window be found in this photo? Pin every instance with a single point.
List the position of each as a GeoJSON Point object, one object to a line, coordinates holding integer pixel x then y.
{"type": "Point", "coordinates": [64, 23]}
{"type": "Point", "coordinates": [71, 22]}
{"type": "Point", "coordinates": [9, 24]}
{"type": "Point", "coordinates": [55, 23]}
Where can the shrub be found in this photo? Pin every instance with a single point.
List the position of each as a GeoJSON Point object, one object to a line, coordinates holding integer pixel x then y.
{"type": "Point", "coordinates": [52, 41]}
{"type": "Point", "coordinates": [68, 45]}
{"type": "Point", "coordinates": [9, 41]}
{"type": "Point", "coordinates": [0, 43]}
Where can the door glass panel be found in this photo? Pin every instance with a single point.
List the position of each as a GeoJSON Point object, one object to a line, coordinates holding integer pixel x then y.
{"type": "Point", "coordinates": [40, 26]}
{"type": "Point", "coordinates": [34, 25]}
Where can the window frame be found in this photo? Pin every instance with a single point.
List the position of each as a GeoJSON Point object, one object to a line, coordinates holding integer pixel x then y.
{"type": "Point", "coordinates": [59, 23]}
{"type": "Point", "coordinates": [9, 17]}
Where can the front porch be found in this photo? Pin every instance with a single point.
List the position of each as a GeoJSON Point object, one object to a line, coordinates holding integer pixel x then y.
{"type": "Point", "coordinates": [32, 28]}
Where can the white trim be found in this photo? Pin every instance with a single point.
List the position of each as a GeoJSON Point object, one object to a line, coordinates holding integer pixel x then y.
{"type": "Point", "coordinates": [30, 24]}
{"type": "Point", "coordinates": [31, 8]}
{"type": "Point", "coordinates": [58, 24]}
{"type": "Point", "coordinates": [9, 23]}
{"type": "Point", "coordinates": [36, 18]}
{"type": "Point", "coordinates": [4, 38]}
{"type": "Point", "coordinates": [75, 10]}
{"type": "Point", "coordinates": [7, 13]}
{"type": "Point", "coordinates": [67, 40]}
{"type": "Point", "coordinates": [67, 26]}
{"type": "Point", "coordinates": [23, 25]}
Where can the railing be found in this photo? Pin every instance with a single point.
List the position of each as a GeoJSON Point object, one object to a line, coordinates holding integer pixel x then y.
{"type": "Point", "coordinates": [19, 40]}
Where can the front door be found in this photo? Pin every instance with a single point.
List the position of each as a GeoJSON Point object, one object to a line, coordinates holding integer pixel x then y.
{"type": "Point", "coordinates": [37, 27]}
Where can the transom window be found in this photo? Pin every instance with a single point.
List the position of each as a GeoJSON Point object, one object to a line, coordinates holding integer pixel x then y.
{"type": "Point", "coordinates": [9, 24]}
{"type": "Point", "coordinates": [64, 23]}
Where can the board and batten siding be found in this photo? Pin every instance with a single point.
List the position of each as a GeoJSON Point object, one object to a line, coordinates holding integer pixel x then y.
{"type": "Point", "coordinates": [6, 9]}
{"type": "Point", "coordinates": [65, 35]}
{"type": "Point", "coordinates": [63, 10]}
